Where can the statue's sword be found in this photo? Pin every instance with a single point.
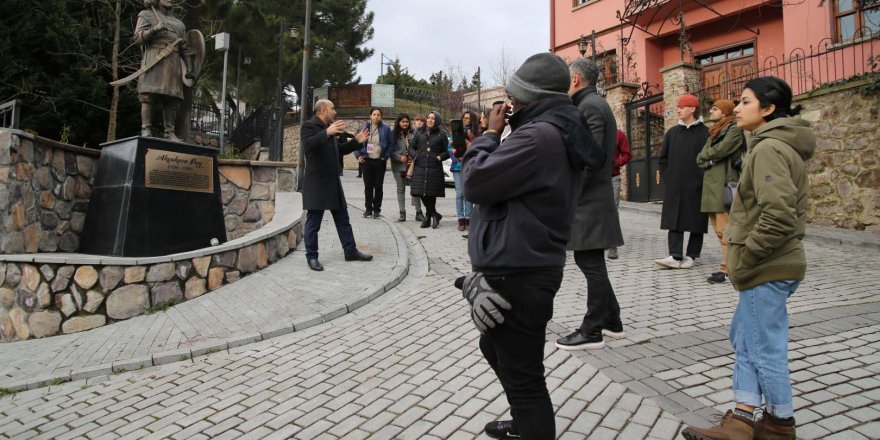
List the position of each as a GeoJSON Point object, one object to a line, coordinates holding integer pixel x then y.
{"type": "Point", "coordinates": [167, 50]}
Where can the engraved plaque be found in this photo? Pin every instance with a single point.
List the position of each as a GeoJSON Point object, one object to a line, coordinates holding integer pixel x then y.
{"type": "Point", "coordinates": [178, 171]}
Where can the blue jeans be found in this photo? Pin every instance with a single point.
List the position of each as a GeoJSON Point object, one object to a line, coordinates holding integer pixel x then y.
{"type": "Point", "coordinates": [463, 208]}
{"type": "Point", "coordinates": [759, 335]}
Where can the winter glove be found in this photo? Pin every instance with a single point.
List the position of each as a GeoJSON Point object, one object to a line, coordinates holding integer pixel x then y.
{"type": "Point", "coordinates": [486, 304]}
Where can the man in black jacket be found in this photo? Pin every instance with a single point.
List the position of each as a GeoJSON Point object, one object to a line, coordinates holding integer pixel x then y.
{"type": "Point", "coordinates": [524, 204]}
{"type": "Point", "coordinates": [322, 189]}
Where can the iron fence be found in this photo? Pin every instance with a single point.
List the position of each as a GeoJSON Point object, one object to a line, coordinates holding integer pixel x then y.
{"type": "Point", "coordinates": [205, 119]}
{"type": "Point", "coordinates": [10, 114]}
{"type": "Point", "coordinates": [825, 64]}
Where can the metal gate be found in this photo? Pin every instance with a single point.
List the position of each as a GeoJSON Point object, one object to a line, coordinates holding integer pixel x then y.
{"type": "Point", "coordinates": [645, 128]}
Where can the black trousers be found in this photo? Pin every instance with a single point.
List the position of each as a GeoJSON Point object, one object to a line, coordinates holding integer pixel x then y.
{"type": "Point", "coordinates": [430, 205]}
{"type": "Point", "coordinates": [343, 229]}
{"type": "Point", "coordinates": [374, 177]}
{"type": "Point", "coordinates": [676, 244]}
{"type": "Point", "coordinates": [602, 308]}
{"type": "Point", "coordinates": [515, 349]}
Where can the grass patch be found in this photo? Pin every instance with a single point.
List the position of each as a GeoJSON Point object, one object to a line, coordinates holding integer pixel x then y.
{"type": "Point", "coordinates": [5, 392]}
{"type": "Point", "coordinates": [160, 308]}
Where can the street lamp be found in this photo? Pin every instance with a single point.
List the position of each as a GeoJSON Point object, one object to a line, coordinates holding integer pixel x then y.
{"type": "Point", "coordinates": [477, 82]}
{"type": "Point", "coordinates": [582, 45]}
{"type": "Point", "coordinates": [221, 43]}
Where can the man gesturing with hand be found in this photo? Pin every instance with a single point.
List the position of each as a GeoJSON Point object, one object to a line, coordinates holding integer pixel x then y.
{"type": "Point", "coordinates": [524, 204]}
{"type": "Point", "coordinates": [322, 189]}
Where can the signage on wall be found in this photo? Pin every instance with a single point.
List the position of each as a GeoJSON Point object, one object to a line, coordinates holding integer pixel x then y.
{"type": "Point", "coordinates": [178, 171]}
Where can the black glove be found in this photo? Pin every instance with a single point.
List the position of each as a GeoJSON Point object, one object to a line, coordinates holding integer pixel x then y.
{"type": "Point", "coordinates": [486, 304]}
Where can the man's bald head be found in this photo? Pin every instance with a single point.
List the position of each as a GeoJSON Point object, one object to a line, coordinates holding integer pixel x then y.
{"type": "Point", "coordinates": [325, 110]}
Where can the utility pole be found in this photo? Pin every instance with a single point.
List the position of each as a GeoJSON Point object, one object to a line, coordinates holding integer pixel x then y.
{"type": "Point", "coordinates": [307, 41]}
{"type": "Point", "coordinates": [221, 42]}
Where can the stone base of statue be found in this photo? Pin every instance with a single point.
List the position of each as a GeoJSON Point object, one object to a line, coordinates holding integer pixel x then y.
{"type": "Point", "coordinates": [154, 197]}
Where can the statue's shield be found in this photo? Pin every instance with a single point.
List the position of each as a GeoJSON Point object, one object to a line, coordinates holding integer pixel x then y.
{"type": "Point", "coordinates": [195, 41]}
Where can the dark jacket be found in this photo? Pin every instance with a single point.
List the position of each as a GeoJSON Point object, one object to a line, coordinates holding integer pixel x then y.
{"type": "Point", "coordinates": [322, 189]}
{"type": "Point", "coordinates": [716, 160]}
{"type": "Point", "coordinates": [683, 179]}
{"type": "Point", "coordinates": [522, 188]}
{"type": "Point", "coordinates": [428, 179]}
{"type": "Point", "coordinates": [386, 139]}
{"type": "Point", "coordinates": [769, 213]}
{"type": "Point", "coordinates": [596, 225]}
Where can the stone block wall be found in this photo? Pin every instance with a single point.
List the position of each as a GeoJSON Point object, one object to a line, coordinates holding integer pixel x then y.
{"type": "Point", "coordinates": [45, 188]}
{"type": "Point", "coordinates": [247, 190]}
{"type": "Point", "coordinates": [45, 299]}
{"type": "Point", "coordinates": [845, 169]}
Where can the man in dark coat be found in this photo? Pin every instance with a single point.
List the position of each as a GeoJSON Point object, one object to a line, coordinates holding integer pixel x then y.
{"type": "Point", "coordinates": [524, 203]}
{"type": "Point", "coordinates": [683, 186]}
{"type": "Point", "coordinates": [596, 226]}
{"type": "Point", "coordinates": [322, 189]}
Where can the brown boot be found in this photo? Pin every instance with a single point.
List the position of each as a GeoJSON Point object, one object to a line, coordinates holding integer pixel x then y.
{"type": "Point", "coordinates": [732, 427]}
{"type": "Point", "coordinates": [772, 428]}
{"type": "Point", "coordinates": [461, 224]}
{"type": "Point", "coordinates": [467, 224]}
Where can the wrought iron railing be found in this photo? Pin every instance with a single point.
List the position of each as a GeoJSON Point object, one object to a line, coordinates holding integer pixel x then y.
{"type": "Point", "coordinates": [804, 70]}
{"type": "Point", "coordinates": [205, 119]}
{"type": "Point", "coordinates": [10, 114]}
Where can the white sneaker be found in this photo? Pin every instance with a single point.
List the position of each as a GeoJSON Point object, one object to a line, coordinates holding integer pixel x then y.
{"type": "Point", "coordinates": [687, 263]}
{"type": "Point", "coordinates": [669, 262]}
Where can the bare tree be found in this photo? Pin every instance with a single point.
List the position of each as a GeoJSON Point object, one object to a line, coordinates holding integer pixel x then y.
{"type": "Point", "coordinates": [504, 66]}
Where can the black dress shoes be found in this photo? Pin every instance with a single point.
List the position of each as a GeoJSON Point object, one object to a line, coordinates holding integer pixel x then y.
{"type": "Point", "coordinates": [426, 223]}
{"type": "Point", "coordinates": [315, 265]}
{"type": "Point", "coordinates": [436, 220]}
{"type": "Point", "coordinates": [368, 214]}
{"type": "Point", "coordinates": [358, 256]}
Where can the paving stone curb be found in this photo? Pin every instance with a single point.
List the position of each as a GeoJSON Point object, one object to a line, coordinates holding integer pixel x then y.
{"type": "Point", "coordinates": [397, 275]}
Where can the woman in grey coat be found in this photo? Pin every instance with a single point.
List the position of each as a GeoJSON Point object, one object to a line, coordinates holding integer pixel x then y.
{"type": "Point", "coordinates": [400, 160]}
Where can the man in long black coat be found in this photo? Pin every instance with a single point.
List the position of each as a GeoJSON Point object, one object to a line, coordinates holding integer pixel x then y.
{"type": "Point", "coordinates": [683, 186]}
{"type": "Point", "coordinates": [322, 189]}
{"type": "Point", "coordinates": [596, 226]}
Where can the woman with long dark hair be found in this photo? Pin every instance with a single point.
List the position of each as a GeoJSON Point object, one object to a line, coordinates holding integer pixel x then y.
{"type": "Point", "coordinates": [373, 155]}
{"type": "Point", "coordinates": [463, 208]}
{"type": "Point", "coordinates": [429, 152]}
{"type": "Point", "coordinates": [765, 260]}
{"type": "Point", "coordinates": [400, 160]}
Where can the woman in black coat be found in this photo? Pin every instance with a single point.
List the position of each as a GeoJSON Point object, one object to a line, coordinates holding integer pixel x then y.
{"type": "Point", "coordinates": [430, 150]}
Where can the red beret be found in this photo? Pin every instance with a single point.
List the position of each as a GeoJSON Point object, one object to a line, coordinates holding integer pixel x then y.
{"type": "Point", "coordinates": [688, 101]}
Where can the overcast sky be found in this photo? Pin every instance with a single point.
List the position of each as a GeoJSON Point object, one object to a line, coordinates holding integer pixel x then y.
{"type": "Point", "coordinates": [429, 36]}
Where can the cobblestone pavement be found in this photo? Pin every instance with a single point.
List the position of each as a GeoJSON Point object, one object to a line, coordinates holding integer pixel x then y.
{"type": "Point", "coordinates": [407, 365]}
{"type": "Point", "coordinates": [284, 297]}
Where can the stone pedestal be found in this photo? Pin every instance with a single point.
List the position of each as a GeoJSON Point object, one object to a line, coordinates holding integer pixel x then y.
{"type": "Point", "coordinates": [678, 79]}
{"type": "Point", "coordinates": [153, 197]}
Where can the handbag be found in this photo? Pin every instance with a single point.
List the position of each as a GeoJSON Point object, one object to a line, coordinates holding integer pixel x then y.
{"type": "Point", "coordinates": [409, 169]}
{"type": "Point", "coordinates": [729, 191]}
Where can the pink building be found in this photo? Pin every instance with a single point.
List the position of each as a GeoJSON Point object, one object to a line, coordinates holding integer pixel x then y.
{"type": "Point", "coordinates": [727, 38]}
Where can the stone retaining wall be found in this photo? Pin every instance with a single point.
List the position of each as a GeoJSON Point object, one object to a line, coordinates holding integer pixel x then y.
{"type": "Point", "coordinates": [44, 193]}
{"type": "Point", "coordinates": [45, 299]}
{"type": "Point", "coordinates": [248, 191]}
{"type": "Point", "coordinates": [845, 170]}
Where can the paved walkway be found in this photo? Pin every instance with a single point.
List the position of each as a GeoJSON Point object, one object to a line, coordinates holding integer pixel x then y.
{"type": "Point", "coordinates": [407, 365]}
{"type": "Point", "coordinates": [282, 298]}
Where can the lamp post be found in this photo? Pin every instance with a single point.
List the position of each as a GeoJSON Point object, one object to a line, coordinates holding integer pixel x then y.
{"type": "Point", "coordinates": [477, 82]}
{"type": "Point", "coordinates": [582, 45]}
{"type": "Point", "coordinates": [307, 41]}
{"type": "Point", "coordinates": [221, 43]}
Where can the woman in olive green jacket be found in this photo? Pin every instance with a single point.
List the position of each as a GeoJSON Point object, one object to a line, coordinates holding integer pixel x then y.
{"type": "Point", "coordinates": [766, 261]}
{"type": "Point", "coordinates": [724, 147]}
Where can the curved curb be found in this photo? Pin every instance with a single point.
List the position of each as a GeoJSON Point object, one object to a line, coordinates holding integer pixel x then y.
{"type": "Point", "coordinates": [397, 275]}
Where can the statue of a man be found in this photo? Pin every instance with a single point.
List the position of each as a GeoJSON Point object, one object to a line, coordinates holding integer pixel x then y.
{"type": "Point", "coordinates": [164, 40]}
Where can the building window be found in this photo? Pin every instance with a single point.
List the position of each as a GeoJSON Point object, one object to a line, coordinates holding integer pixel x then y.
{"type": "Point", "coordinates": [726, 54]}
{"type": "Point", "coordinates": [856, 19]}
{"type": "Point", "coordinates": [581, 2]}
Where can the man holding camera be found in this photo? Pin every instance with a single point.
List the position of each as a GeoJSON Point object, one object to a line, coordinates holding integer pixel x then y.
{"type": "Point", "coordinates": [322, 189]}
{"type": "Point", "coordinates": [719, 161]}
{"type": "Point", "coordinates": [524, 204]}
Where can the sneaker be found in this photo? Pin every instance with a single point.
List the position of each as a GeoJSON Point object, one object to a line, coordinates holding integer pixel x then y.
{"type": "Point", "coordinates": [772, 428]}
{"type": "Point", "coordinates": [581, 341]}
{"type": "Point", "coordinates": [687, 263]}
{"type": "Point", "coordinates": [376, 214]}
{"type": "Point", "coordinates": [717, 278]}
{"type": "Point", "coordinates": [612, 253]}
{"type": "Point", "coordinates": [503, 429]}
{"type": "Point", "coordinates": [669, 262]}
{"type": "Point", "coordinates": [368, 214]}
{"type": "Point", "coordinates": [731, 427]}
{"type": "Point", "coordinates": [420, 217]}
{"type": "Point", "coordinates": [614, 331]}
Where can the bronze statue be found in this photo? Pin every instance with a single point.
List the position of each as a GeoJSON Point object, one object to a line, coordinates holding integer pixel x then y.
{"type": "Point", "coordinates": [172, 60]}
